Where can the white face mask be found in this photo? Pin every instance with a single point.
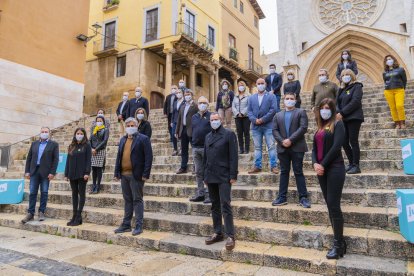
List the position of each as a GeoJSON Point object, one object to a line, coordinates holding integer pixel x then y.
{"type": "Point", "coordinates": [44, 135]}
{"type": "Point", "coordinates": [345, 57]}
{"type": "Point", "coordinates": [140, 116]}
{"type": "Point", "coordinates": [261, 87]}
{"type": "Point", "coordinates": [225, 86]}
{"type": "Point", "coordinates": [79, 137]}
{"type": "Point", "coordinates": [99, 123]}
{"type": "Point", "coordinates": [202, 107]}
{"type": "Point", "coordinates": [138, 94]}
{"type": "Point", "coordinates": [326, 114]}
{"type": "Point", "coordinates": [215, 124]}
{"type": "Point", "coordinates": [100, 114]}
{"type": "Point", "coordinates": [390, 62]}
{"type": "Point", "coordinates": [290, 77]}
{"type": "Point", "coordinates": [188, 98]}
{"type": "Point", "coordinates": [290, 103]}
{"type": "Point", "coordinates": [346, 78]}
{"type": "Point", "coordinates": [272, 70]}
{"type": "Point", "coordinates": [173, 91]}
{"type": "Point", "coordinates": [323, 79]}
{"type": "Point", "coordinates": [179, 95]}
{"type": "Point", "coordinates": [125, 98]}
{"type": "Point", "coordinates": [181, 84]}
{"type": "Point", "coordinates": [131, 130]}
{"type": "Point", "coordinates": [242, 88]}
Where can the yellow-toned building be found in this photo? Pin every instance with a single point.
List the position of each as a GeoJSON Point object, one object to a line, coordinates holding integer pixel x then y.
{"type": "Point", "coordinates": [41, 65]}
{"type": "Point", "coordinates": [155, 43]}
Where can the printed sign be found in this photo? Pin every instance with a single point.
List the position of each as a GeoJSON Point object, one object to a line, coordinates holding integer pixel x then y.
{"type": "Point", "coordinates": [406, 151]}
{"type": "Point", "coordinates": [20, 188]}
{"type": "Point", "coordinates": [410, 213]}
{"type": "Point", "coordinates": [3, 188]}
{"type": "Point", "coordinates": [399, 205]}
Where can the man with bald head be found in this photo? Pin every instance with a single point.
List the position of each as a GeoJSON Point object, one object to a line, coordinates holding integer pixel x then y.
{"type": "Point", "coordinates": [138, 102]}
{"type": "Point", "coordinates": [261, 109]}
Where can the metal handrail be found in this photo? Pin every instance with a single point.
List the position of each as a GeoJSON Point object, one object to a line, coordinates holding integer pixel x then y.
{"type": "Point", "coordinates": [254, 66]}
{"type": "Point", "coordinates": [190, 33]}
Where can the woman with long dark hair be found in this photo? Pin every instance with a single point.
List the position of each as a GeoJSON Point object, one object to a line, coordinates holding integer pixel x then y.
{"type": "Point", "coordinates": [77, 170]}
{"type": "Point", "coordinates": [328, 164]}
{"type": "Point", "coordinates": [395, 81]}
{"type": "Point", "coordinates": [346, 62]}
{"type": "Point", "coordinates": [99, 139]}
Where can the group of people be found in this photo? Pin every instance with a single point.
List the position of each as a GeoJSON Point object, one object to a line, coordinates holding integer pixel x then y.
{"type": "Point", "coordinates": [338, 115]}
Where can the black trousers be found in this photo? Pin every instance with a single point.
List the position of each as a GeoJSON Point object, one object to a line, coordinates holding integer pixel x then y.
{"type": "Point", "coordinates": [351, 144]}
{"type": "Point", "coordinates": [170, 127]}
{"type": "Point", "coordinates": [96, 178]}
{"type": "Point", "coordinates": [185, 144]}
{"type": "Point", "coordinates": [286, 159]}
{"type": "Point", "coordinates": [133, 193]}
{"type": "Point", "coordinates": [243, 133]}
{"type": "Point", "coordinates": [78, 194]}
{"type": "Point", "coordinates": [220, 196]}
{"type": "Point", "coordinates": [332, 183]}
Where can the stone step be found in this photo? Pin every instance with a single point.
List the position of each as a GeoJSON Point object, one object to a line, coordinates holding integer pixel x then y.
{"type": "Point", "coordinates": [360, 197]}
{"type": "Point", "coordinates": [299, 259]}
{"type": "Point", "coordinates": [355, 216]}
{"type": "Point", "coordinates": [377, 243]}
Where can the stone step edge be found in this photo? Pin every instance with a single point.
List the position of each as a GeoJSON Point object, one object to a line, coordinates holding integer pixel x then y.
{"type": "Point", "coordinates": [299, 259]}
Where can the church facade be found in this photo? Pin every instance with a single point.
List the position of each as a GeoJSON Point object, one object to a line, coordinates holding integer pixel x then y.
{"type": "Point", "coordinates": [313, 33]}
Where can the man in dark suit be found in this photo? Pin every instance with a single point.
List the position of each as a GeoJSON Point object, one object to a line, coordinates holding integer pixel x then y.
{"type": "Point", "coordinates": [184, 129]}
{"type": "Point", "coordinates": [289, 129]}
{"type": "Point", "coordinates": [274, 82]}
{"type": "Point", "coordinates": [170, 100]}
{"type": "Point", "coordinates": [122, 113]}
{"type": "Point", "coordinates": [41, 164]}
{"type": "Point", "coordinates": [261, 109]}
{"type": "Point", "coordinates": [133, 168]}
{"type": "Point", "coordinates": [220, 173]}
{"type": "Point", "coordinates": [137, 102]}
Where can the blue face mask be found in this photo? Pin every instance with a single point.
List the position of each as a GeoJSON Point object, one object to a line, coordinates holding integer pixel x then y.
{"type": "Point", "coordinates": [326, 114]}
{"type": "Point", "coordinates": [215, 124]}
{"type": "Point", "coordinates": [346, 79]}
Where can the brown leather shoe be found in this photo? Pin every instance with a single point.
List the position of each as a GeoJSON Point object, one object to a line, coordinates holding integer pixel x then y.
{"type": "Point", "coordinates": [274, 170]}
{"type": "Point", "coordinates": [27, 218]}
{"type": "Point", "coordinates": [214, 238]}
{"type": "Point", "coordinates": [254, 170]}
{"type": "Point", "coordinates": [181, 171]}
{"type": "Point", "coordinates": [230, 243]}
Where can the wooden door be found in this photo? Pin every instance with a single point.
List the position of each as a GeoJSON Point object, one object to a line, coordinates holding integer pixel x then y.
{"type": "Point", "coordinates": [156, 101]}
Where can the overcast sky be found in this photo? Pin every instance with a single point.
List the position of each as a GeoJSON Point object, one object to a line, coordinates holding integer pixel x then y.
{"type": "Point", "coordinates": [268, 27]}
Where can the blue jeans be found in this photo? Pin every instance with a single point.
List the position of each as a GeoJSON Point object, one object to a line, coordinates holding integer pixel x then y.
{"type": "Point", "coordinates": [258, 134]}
{"type": "Point", "coordinates": [277, 102]}
{"type": "Point", "coordinates": [36, 181]}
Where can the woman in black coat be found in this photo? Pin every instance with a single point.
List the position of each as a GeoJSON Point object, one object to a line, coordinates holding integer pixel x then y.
{"type": "Point", "coordinates": [346, 63]}
{"type": "Point", "coordinates": [77, 170]}
{"type": "Point", "coordinates": [99, 140]}
{"type": "Point", "coordinates": [328, 164]}
{"type": "Point", "coordinates": [144, 127]}
{"type": "Point", "coordinates": [293, 86]}
{"type": "Point", "coordinates": [349, 110]}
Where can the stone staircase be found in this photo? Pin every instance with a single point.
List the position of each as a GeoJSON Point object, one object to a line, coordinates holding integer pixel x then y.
{"type": "Point", "coordinates": [288, 237]}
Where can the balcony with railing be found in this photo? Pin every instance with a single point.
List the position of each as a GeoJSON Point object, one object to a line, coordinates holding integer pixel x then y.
{"type": "Point", "coordinates": [192, 35]}
{"type": "Point", "coordinates": [253, 67]}
{"type": "Point", "coordinates": [105, 47]}
{"type": "Point", "coordinates": [233, 54]}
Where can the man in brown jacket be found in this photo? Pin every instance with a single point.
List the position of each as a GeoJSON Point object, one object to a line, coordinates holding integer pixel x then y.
{"type": "Point", "coordinates": [324, 89]}
{"type": "Point", "coordinates": [184, 129]}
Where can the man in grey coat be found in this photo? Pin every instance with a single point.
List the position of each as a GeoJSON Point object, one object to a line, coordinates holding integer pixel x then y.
{"type": "Point", "coordinates": [289, 129]}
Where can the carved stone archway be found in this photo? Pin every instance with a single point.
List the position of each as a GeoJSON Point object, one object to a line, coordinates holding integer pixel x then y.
{"type": "Point", "coordinates": [367, 50]}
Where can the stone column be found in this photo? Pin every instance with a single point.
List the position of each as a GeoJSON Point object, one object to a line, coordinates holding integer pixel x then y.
{"type": "Point", "coordinates": [216, 83]}
{"type": "Point", "coordinates": [168, 70]}
{"type": "Point", "coordinates": [235, 78]}
{"type": "Point", "coordinates": [193, 64]}
{"type": "Point", "coordinates": [211, 95]}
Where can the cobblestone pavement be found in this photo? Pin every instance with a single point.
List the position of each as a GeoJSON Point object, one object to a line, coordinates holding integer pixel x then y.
{"type": "Point", "coordinates": [30, 253]}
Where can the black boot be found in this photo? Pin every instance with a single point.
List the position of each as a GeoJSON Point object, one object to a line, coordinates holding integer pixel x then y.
{"type": "Point", "coordinates": [338, 249]}
{"type": "Point", "coordinates": [354, 170]}
{"type": "Point", "coordinates": [78, 219]}
{"type": "Point", "coordinates": [70, 223]}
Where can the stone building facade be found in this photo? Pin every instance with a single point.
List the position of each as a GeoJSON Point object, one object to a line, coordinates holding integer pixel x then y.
{"type": "Point", "coordinates": [312, 34]}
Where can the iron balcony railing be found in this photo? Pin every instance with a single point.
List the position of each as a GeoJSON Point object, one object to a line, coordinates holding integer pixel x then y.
{"type": "Point", "coordinates": [191, 34]}
{"type": "Point", "coordinates": [233, 54]}
{"type": "Point", "coordinates": [254, 66]}
{"type": "Point", "coordinates": [107, 45]}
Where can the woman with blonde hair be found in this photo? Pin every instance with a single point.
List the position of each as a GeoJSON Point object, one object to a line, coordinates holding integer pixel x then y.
{"type": "Point", "coordinates": [293, 85]}
{"type": "Point", "coordinates": [239, 108]}
{"type": "Point", "coordinates": [349, 110]}
{"type": "Point", "coordinates": [144, 127]}
{"type": "Point", "coordinates": [395, 81]}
